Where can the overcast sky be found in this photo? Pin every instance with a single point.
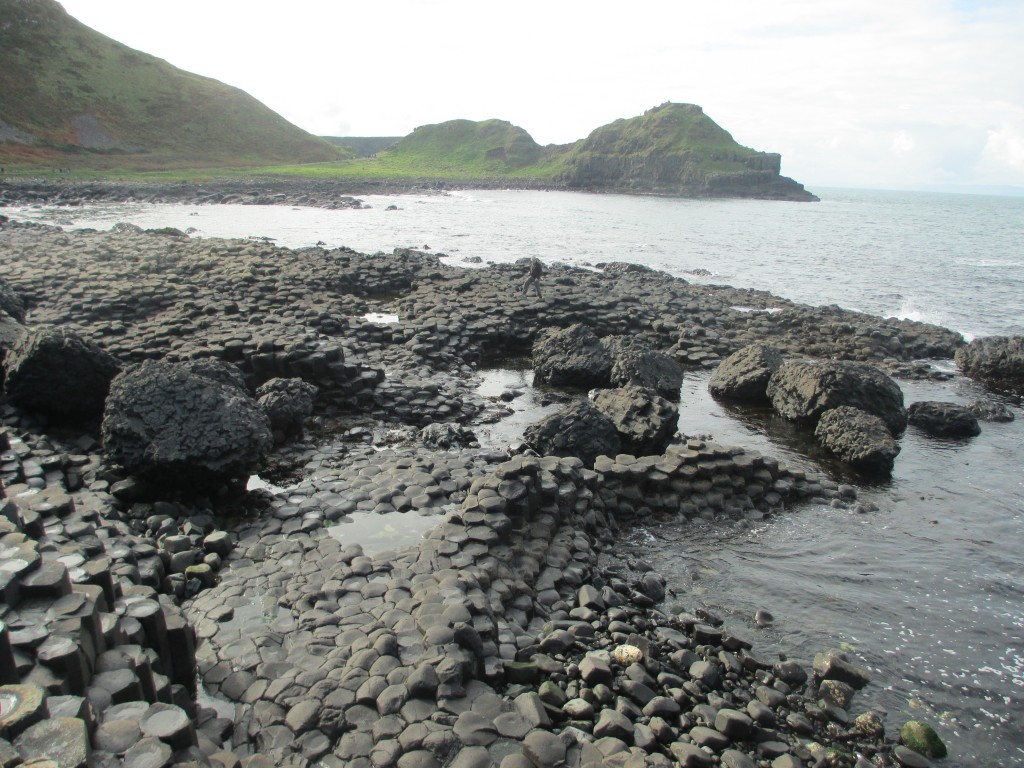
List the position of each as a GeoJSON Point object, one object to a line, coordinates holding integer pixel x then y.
{"type": "Point", "coordinates": [867, 93]}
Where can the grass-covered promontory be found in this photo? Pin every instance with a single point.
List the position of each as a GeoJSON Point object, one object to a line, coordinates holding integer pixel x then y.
{"type": "Point", "coordinates": [70, 96]}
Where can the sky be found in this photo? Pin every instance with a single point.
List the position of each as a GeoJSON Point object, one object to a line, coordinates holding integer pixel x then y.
{"type": "Point", "coordinates": [896, 94]}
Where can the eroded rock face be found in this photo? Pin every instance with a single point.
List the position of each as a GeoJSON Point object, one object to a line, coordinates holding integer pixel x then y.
{"type": "Point", "coordinates": [943, 419]}
{"type": "Point", "coordinates": [858, 438]}
{"type": "Point", "coordinates": [634, 363]}
{"type": "Point", "coordinates": [57, 372]}
{"type": "Point", "coordinates": [572, 357]}
{"type": "Point", "coordinates": [644, 420]}
{"type": "Point", "coordinates": [580, 430]}
{"type": "Point", "coordinates": [803, 391]}
{"type": "Point", "coordinates": [163, 420]}
{"type": "Point", "coordinates": [996, 361]}
{"type": "Point", "coordinates": [744, 375]}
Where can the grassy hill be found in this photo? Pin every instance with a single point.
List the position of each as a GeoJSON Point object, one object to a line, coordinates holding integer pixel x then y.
{"type": "Point", "coordinates": [674, 149]}
{"type": "Point", "coordinates": [70, 95]}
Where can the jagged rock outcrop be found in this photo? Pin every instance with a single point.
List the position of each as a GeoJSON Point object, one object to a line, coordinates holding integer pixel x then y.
{"type": "Point", "coordinates": [943, 419]}
{"type": "Point", "coordinates": [744, 375]}
{"type": "Point", "coordinates": [645, 421]}
{"type": "Point", "coordinates": [858, 438]}
{"type": "Point", "coordinates": [634, 363]}
{"type": "Point", "coordinates": [165, 421]}
{"type": "Point", "coordinates": [57, 372]}
{"type": "Point", "coordinates": [803, 391]}
{"type": "Point", "coordinates": [579, 430]}
{"type": "Point", "coordinates": [996, 361]}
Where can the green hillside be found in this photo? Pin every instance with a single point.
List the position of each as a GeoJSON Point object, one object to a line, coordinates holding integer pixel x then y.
{"type": "Point", "coordinates": [673, 149]}
{"type": "Point", "coordinates": [69, 93]}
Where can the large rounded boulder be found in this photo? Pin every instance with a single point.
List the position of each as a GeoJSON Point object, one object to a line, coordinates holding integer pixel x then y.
{"type": "Point", "coordinates": [579, 430]}
{"type": "Point", "coordinates": [572, 357]}
{"type": "Point", "coordinates": [941, 419]}
{"type": "Point", "coordinates": [57, 372]}
{"type": "Point", "coordinates": [287, 402]}
{"type": "Point", "coordinates": [803, 391]}
{"type": "Point", "coordinates": [645, 421]}
{"type": "Point", "coordinates": [744, 375]}
{"type": "Point", "coordinates": [636, 364]}
{"type": "Point", "coordinates": [858, 438]}
{"type": "Point", "coordinates": [170, 423]}
{"type": "Point", "coordinates": [996, 361]}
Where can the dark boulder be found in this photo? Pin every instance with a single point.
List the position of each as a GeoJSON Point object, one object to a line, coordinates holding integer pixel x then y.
{"type": "Point", "coordinates": [634, 363]}
{"type": "Point", "coordinates": [996, 361]}
{"type": "Point", "coordinates": [57, 372]}
{"type": "Point", "coordinates": [572, 357]}
{"type": "Point", "coordinates": [745, 374]}
{"type": "Point", "coordinates": [287, 402]}
{"type": "Point", "coordinates": [803, 391]}
{"type": "Point", "coordinates": [11, 302]}
{"type": "Point", "coordinates": [579, 430]}
{"type": "Point", "coordinates": [860, 439]}
{"type": "Point", "coordinates": [645, 421]}
{"type": "Point", "coordinates": [165, 422]}
{"type": "Point", "coordinates": [943, 419]}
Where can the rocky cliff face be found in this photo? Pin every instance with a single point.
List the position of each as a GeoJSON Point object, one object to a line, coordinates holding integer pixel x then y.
{"type": "Point", "coordinates": [675, 149]}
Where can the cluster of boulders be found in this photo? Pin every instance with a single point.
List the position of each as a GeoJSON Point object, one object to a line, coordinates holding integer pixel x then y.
{"type": "Point", "coordinates": [633, 408]}
{"type": "Point", "coordinates": [855, 410]}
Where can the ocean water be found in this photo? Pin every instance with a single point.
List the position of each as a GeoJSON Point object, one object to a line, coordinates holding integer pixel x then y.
{"type": "Point", "coordinates": [927, 591]}
{"type": "Point", "coordinates": [954, 260]}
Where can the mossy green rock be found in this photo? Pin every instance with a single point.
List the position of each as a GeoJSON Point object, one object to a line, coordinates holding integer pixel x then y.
{"type": "Point", "coordinates": [923, 739]}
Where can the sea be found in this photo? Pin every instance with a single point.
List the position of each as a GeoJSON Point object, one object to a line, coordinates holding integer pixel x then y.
{"type": "Point", "coordinates": [925, 590]}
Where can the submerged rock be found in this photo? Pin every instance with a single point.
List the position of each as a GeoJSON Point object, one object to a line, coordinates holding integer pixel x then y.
{"type": "Point", "coordinates": [923, 739]}
{"type": "Point", "coordinates": [803, 391]}
{"type": "Point", "coordinates": [858, 438]}
{"type": "Point", "coordinates": [985, 410]}
{"type": "Point", "coordinates": [165, 421]}
{"type": "Point", "coordinates": [996, 361]}
{"type": "Point", "coordinates": [943, 419]}
{"type": "Point", "coordinates": [745, 374]}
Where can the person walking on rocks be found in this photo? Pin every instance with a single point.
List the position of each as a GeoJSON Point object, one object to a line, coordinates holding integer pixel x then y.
{"type": "Point", "coordinates": [536, 270]}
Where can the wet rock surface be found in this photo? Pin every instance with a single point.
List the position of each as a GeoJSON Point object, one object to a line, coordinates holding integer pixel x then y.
{"type": "Point", "coordinates": [487, 617]}
{"type": "Point", "coordinates": [943, 419]}
{"type": "Point", "coordinates": [858, 438]}
{"type": "Point", "coordinates": [997, 361]}
{"type": "Point", "coordinates": [804, 391]}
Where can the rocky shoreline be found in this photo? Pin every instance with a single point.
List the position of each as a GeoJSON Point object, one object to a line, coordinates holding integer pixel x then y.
{"type": "Point", "coordinates": [150, 623]}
